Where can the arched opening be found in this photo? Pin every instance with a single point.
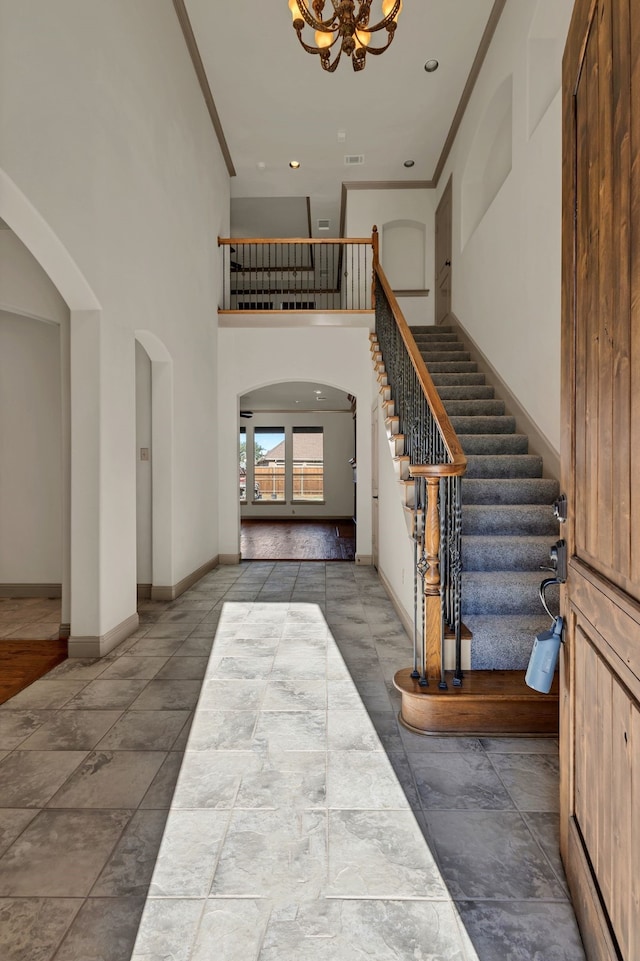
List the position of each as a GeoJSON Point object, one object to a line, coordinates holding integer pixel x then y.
{"type": "Point", "coordinates": [296, 482]}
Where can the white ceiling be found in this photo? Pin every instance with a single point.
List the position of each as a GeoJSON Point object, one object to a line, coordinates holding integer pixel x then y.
{"type": "Point", "coordinates": [276, 104]}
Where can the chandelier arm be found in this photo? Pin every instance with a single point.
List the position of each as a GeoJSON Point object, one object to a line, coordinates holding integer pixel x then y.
{"type": "Point", "coordinates": [376, 50]}
{"type": "Point", "coordinates": [362, 22]}
{"type": "Point", "coordinates": [318, 50]}
{"type": "Point", "coordinates": [326, 26]}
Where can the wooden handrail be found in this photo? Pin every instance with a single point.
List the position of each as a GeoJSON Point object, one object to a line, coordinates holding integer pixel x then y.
{"type": "Point", "coordinates": [232, 241]}
{"type": "Point", "coordinates": [458, 464]}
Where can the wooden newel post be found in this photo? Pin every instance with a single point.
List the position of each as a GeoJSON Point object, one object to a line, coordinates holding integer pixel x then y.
{"type": "Point", "coordinates": [375, 244]}
{"type": "Point", "coordinates": [432, 584]}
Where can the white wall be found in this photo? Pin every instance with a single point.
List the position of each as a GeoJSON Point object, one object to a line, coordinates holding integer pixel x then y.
{"type": "Point", "coordinates": [368, 207]}
{"type": "Point", "coordinates": [506, 275]}
{"type": "Point", "coordinates": [251, 358]}
{"type": "Point", "coordinates": [144, 506]}
{"type": "Point", "coordinates": [118, 156]}
{"type": "Point", "coordinates": [30, 451]}
{"type": "Point", "coordinates": [338, 446]}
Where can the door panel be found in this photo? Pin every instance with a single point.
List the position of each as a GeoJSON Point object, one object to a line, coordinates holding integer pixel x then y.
{"type": "Point", "coordinates": [600, 813]}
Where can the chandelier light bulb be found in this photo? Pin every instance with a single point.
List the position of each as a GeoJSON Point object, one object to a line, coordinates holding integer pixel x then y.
{"type": "Point", "coordinates": [323, 39]}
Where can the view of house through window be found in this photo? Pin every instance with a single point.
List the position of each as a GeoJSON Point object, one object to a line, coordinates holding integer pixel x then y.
{"type": "Point", "coordinates": [242, 465]}
{"type": "Point", "coordinates": [269, 459]}
{"type": "Point", "coordinates": [308, 464]}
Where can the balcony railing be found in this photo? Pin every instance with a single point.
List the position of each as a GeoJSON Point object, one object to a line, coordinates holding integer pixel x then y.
{"type": "Point", "coordinates": [296, 274]}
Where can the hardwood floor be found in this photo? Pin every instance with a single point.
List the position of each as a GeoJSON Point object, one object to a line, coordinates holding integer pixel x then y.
{"type": "Point", "coordinates": [22, 662]}
{"type": "Point", "coordinates": [286, 540]}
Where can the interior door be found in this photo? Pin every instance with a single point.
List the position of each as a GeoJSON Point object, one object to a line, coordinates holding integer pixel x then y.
{"type": "Point", "coordinates": [600, 670]}
{"type": "Point", "coordinates": [443, 256]}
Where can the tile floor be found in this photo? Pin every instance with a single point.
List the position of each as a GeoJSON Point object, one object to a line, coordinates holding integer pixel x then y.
{"type": "Point", "coordinates": [305, 824]}
{"type": "Point", "coordinates": [29, 618]}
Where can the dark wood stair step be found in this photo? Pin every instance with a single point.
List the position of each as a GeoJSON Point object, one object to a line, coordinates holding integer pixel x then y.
{"type": "Point", "coordinates": [487, 704]}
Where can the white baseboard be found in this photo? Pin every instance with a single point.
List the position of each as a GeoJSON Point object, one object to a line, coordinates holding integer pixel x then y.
{"type": "Point", "coordinates": [99, 645]}
{"type": "Point", "coordinates": [364, 559]}
{"type": "Point", "coordinates": [170, 592]}
{"type": "Point", "coordinates": [229, 558]}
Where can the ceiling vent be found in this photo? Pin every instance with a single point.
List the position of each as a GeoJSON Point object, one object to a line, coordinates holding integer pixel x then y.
{"type": "Point", "coordinates": [352, 160]}
{"type": "Point", "coordinates": [323, 224]}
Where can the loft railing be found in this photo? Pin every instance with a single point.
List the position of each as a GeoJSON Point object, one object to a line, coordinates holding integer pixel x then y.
{"type": "Point", "coordinates": [296, 274]}
{"type": "Point", "coordinates": [436, 464]}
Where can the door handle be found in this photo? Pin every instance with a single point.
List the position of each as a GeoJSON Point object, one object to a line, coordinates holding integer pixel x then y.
{"type": "Point", "coordinates": [447, 263]}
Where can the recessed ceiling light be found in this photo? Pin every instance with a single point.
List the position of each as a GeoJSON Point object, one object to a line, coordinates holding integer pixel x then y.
{"type": "Point", "coordinates": [409, 163]}
{"type": "Point", "coordinates": [294, 164]}
{"type": "Point", "coordinates": [317, 392]}
{"type": "Point", "coordinates": [261, 165]}
{"type": "Point", "coordinates": [431, 65]}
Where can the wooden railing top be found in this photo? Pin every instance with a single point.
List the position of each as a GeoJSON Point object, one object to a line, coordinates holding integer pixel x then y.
{"type": "Point", "coordinates": [232, 241]}
{"type": "Point", "coordinates": [458, 464]}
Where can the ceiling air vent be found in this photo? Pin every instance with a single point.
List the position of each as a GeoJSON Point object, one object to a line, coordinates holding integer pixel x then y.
{"type": "Point", "coordinates": [323, 224]}
{"type": "Point", "coordinates": [351, 160]}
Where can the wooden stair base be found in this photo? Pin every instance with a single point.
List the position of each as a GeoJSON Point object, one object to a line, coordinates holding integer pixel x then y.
{"type": "Point", "coordinates": [488, 703]}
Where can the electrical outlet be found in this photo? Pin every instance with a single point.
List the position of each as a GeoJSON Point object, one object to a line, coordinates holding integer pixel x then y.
{"type": "Point", "coordinates": [144, 453]}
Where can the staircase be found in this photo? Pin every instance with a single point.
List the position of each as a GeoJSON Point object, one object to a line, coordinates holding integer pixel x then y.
{"type": "Point", "coordinates": [508, 523]}
{"type": "Point", "coordinates": [508, 527]}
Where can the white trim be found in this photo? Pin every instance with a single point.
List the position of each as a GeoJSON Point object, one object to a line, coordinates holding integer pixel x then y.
{"type": "Point", "coordinates": [170, 592]}
{"type": "Point", "coordinates": [98, 646]}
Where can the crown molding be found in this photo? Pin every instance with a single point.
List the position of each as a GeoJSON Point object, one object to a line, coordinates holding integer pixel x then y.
{"type": "Point", "coordinates": [201, 74]}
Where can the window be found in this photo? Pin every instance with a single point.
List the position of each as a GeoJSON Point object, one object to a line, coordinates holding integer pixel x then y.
{"type": "Point", "coordinates": [308, 464]}
{"type": "Point", "coordinates": [269, 471]}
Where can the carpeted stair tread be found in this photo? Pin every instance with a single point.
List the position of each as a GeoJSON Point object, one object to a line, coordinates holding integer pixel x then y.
{"type": "Point", "coordinates": [488, 552]}
{"type": "Point", "coordinates": [431, 330]}
{"type": "Point", "coordinates": [500, 592]}
{"type": "Point", "coordinates": [466, 392]}
{"type": "Point", "coordinates": [500, 519]}
{"type": "Point", "coordinates": [504, 466]}
{"type": "Point", "coordinates": [494, 443]}
{"type": "Point", "coordinates": [504, 642]}
{"type": "Point", "coordinates": [520, 490]}
{"type": "Point", "coordinates": [483, 424]}
{"type": "Point", "coordinates": [452, 346]}
{"type": "Point", "coordinates": [452, 367]}
{"type": "Point", "coordinates": [474, 408]}
{"type": "Point", "coordinates": [439, 356]}
{"type": "Point", "coordinates": [457, 379]}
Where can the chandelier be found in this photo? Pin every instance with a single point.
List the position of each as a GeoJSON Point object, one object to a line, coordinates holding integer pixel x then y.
{"type": "Point", "coordinates": [345, 27]}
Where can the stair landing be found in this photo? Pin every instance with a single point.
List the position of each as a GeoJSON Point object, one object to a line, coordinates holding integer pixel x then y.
{"type": "Point", "coordinates": [488, 703]}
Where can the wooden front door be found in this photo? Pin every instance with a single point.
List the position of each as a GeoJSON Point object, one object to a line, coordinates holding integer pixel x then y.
{"type": "Point", "coordinates": [600, 666]}
{"type": "Point", "coordinates": [443, 256]}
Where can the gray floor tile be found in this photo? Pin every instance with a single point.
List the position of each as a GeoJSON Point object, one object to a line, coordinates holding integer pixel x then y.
{"type": "Point", "coordinates": [109, 779]}
{"type": "Point", "coordinates": [45, 695]}
{"type": "Point", "coordinates": [235, 927]}
{"type": "Point", "coordinates": [184, 668]}
{"type": "Point", "coordinates": [13, 821]}
{"type": "Point", "coordinates": [61, 852]}
{"type": "Point", "coordinates": [160, 793]}
{"type": "Point", "coordinates": [295, 695]}
{"type": "Point", "coordinates": [104, 930]}
{"type": "Point", "coordinates": [221, 695]}
{"type": "Point", "coordinates": [460, 780]}
{"type": "Point", "coordinates": [210, 779]}
{"type": "Point", "coordinates": [31, 778]}
{"type": "Point", "coordinates": [286, 780]}
{"type": "Point", "coordinates": [292, 730]}
{"type": "Point", "coordinates": [17, 725]}
{"type": "Point", "coordinates": [167, 930]}
{"type": "Point", "coordinates": [32, 928]}
{"type": "Point", "coordinates": [71, 731]}
{"type": "Point", "coordinates": [144, 731]}
{"type": "Point", "coordinates": [531, 779]}
{"type": "Point", "coordinates": [107, 695]}
{"type": "Point", "coordinates": [380, 854]}
{"type": "Point", "coordinates": [490, 854]}
{"type": "Point", "coordinates": [128, 871]}
{"type": "Point", "coordinates": [168, 695]}
{"type": "Point", "coordinates": [223, 731]}
{"type": "Point", "coordinates": [513, 931]}
{"type": "Point", "coordinates": [363, 780]}
{"type": "Point", "coordinates": [188, 856]}
{"type": "Point", "coordinates": [352, 731]}
{"type": "Point", "coordinates": [134, 666]}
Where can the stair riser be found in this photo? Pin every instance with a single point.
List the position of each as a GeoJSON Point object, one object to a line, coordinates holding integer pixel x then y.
{"type": "Point", "coordinates": [466, 392]}
{"type": "Point", "coordinates": [504, 554]}
{"type": "Point", "coordinates": [494, 443]}
{"type": "Point", "coordinates": [438, 356]}
{"type": "Point", "coordinates": [457, 379]}
{"type": "Point", "coordinates": [474, 408]}
{"type": "Point", "coordinates": [504, 466]}
{"type": "Point", "coordinates": [449, 367]}
{"type": "Point", "coordinates": [484, 425]}
{"type": "Point", "coordinates": [523, 519]}
{"type": "Point", "coordinates": [504, 643]}
{"type": "Point", "coordinates": [495, 595]}
{"type": "Point", "coordinates": [535, 490]}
